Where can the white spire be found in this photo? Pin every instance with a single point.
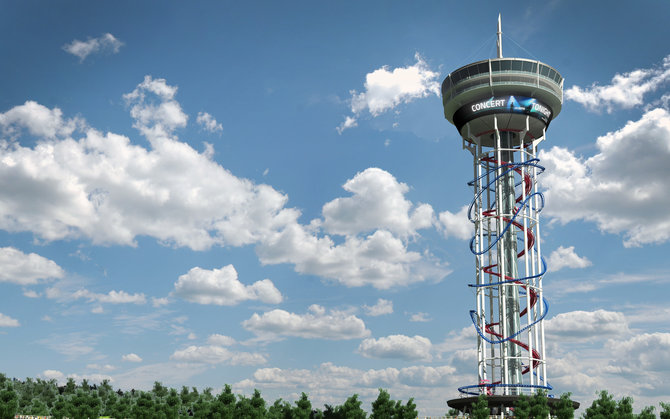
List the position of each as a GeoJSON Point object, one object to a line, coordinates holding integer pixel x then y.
{"type": "Point", "coordinates": [499, 42]}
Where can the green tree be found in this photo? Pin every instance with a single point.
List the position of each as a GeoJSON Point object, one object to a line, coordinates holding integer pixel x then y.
{"type": "Point", "coordinates": [37, 408]}
{"type": "Point", "coordinates": [351, 409]}
{"type": "Point", "coordinates": [303, 407]}
{"type": "Point", "coordinates": [383, 407]}
{"type": "Point", "coordinates": [406, 411]}
{"type": "Point", "coordinates": [522, 407]}
{"type": "Point", "coordinates": [9, 402]}
{"type": "Point", "coordinates": [280, 410]}
{"type": "Point", "coordinates": [61, 408]}
{"type": "Point", "coordinates": [70, 386]}
{"type": "Point", "coordinates": [604, 407]}
{"type": "Point", "coordinates": [563, 409]}
{"type": "Point", "coordinates": [85, 405]}
{"type": "Point", "coordinates": [145, 407]}
{"type": "Point", "coordinates": [624, 408]}
{"type": "Point", "coordinates": [480, 408]}
{"type": "Point", "coordinates": [647, 413]}
{"type": "Point", "coordinates": [539, 408]}
{"type": "Point", "coordinates": [159, 390]}
{"type": "Point", "coordinates": [453, 412]}
{"type": "Point", "coordinates": [665, 413]}
{"type": "Point", "coordinates": [172, 404]}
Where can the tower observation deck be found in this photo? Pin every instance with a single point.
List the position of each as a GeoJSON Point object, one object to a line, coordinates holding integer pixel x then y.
{"type": "Point", "coordinates": [502, 108]}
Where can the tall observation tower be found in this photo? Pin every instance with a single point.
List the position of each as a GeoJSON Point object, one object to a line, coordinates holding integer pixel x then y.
{"type": "Point", "coordinates": [502, 108]}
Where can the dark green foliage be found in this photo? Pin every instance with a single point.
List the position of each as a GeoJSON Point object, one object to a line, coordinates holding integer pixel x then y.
{"type": "Point", "coordinates": [522, 407]}
{"type": "Point", "coordinates": [564, 409]}
{"type": "Point", "coordinates": [383, 407]}
{"type": "Point", "coordinates": [539, 408]}
{"type": "Point", "coordinates": [9, 402]}
{"type": "Point", "coordinates": [647, 413]}
{"type": "Point", "coordinates": [351, 409]}
{"type": "Point", "coordinates": [84, 405]}
{"type": "Point", "coordinates": [453, 412]}
{"type": "Point", "coordinates": [665, 413]}
{"type": "Point", "coordinates": [61, 408]}
{"type": "Point", "coordinates": [480, 408]}
{"type": "Point", "coordinates": [280, 410]}
{"type": "Point", "coordinates": [303, 407]}
{"type": "Point", "coordinates": [604, 407]}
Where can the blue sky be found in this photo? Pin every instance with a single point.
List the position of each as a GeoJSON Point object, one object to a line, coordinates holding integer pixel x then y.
{"type": "Point", "coordinates": [267, 194]}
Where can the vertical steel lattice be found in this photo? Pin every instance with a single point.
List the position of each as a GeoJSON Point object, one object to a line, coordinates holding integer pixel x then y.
{"type": "Point", "coordinates": [510, 305]}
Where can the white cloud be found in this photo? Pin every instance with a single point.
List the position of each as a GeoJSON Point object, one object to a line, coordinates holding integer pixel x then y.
{"type": "Point", "coordinates": [26, 269]}
{"type": "Point", "coordinates": [381, 258]}
{"type": "Point", "coordinates": [216, 355]}
{"type": "Point", "coordinates": [105, 367]}
{"type": "Point", "coordinates": [104, 43]}
{"type": "Point", "coordinates": [349, 122]}
{"type": "Point", "coordinates": [157, 114]}
{"type": "Point", "coordinates": [456, 225]}
{"type": "Point", "coordinates": [159, 302]}
{"type": "Point", "coordinates": [587, 325]}
{"type": "Point", "coordinates": [625, 91]}
{"type": "Point", "coordinates": [316, 324]}
{"type": "Point", "coordinates": [420, 317]}
{"type": "Point", "coordinates": [565, 257]}
{"type": "Point", "coordinates": [131, 357]}
{"type": "Point", "coordinates": [106, 189]}
{"type": "Point", "coordinates": [382, 307]}
{"type": "Point", "coordinates": [39, 120]}
{"type": "Point", "coordinates": [621, 188]}
{"type": "Point", "coordinates": [221, 287]}
{"type": "Point", "coordinates": [386, 89]}
{"type": "Point", "coordinates": [642, 353]}
{"type": "Point", "coordinates": [378, 202]}
{"type": "Point", "coordinates": [208, 123]}
{"type": "Point", "coordinates": [6, 321]}
{"type": "Point", "coordinates": [220, 340]}
{"type": "Point", "coordinates": [103, 188]}
{"type": "Point", "coordinates": [53, 375]}
{"type": "Point", "coordinates": [397, 346]}
{"type": "Point", "coordinates": [112, 297]}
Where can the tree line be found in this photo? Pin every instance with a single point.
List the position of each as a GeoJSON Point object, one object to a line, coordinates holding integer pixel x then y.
{"type": "Point", "coordinates": [40, 397]}
{"type": "Point", "coordinates": [536, 407]}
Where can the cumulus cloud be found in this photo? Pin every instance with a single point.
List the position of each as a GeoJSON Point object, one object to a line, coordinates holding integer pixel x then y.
{"type": "Point", "coordinates": [587, 325]}
{"type": "Point", "coordinates": [217, 355]}
{"type": "Point", "coordinates": [625, 91]}
{"type": "Point", "coordinates": [386, 89]}
{"type": "Point", "coordinates": [26, 269]}
{"type": "Point", "coordinates": [375, 222]}
{"type": "Point", "coordinates": [420, 317]}
{"type": "Point", "coordinates": [382, 307]}
{"type": "Point", "coordinates": [621, 188]}
{"type": "Point", "coordinates": [208, 123]}
{"type": "Point", "coordinates": [106, 43]}
{"type": "Point", "coordinates": [53, 375]}
{"type": "Point", "coordinates": [377, 202]}
{"type": "Point", "coordinates": [397, 346]}
{"type": "Point", "coordinates": [221, 287]}
{"type": "Point", "coordinates": [317, 323]}
{"type": "Point", "coordinates": [104, 188]}
{"type": "Point", "coordinates": [131, 357]}
{"type": "Point", "coordinates": [331, 377]}
{"type": "Point", "coordinates": [456, 225]}
{"type": "Point", "coordinates": [642, 353]}
{"type": "Point", "coordinates": [220, 340]}
{"type": "Point", "coordinates": [6, 321]}
{"type": "Point", "coordinates": [38, 120]}
{"type": "Point", "coordinates": [112, 297]}
{"type": "Point", "coordinates": [565, 257]}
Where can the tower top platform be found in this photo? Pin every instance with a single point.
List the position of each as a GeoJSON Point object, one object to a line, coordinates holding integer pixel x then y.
{"type": "Point", "coordinates": [477, 87]}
